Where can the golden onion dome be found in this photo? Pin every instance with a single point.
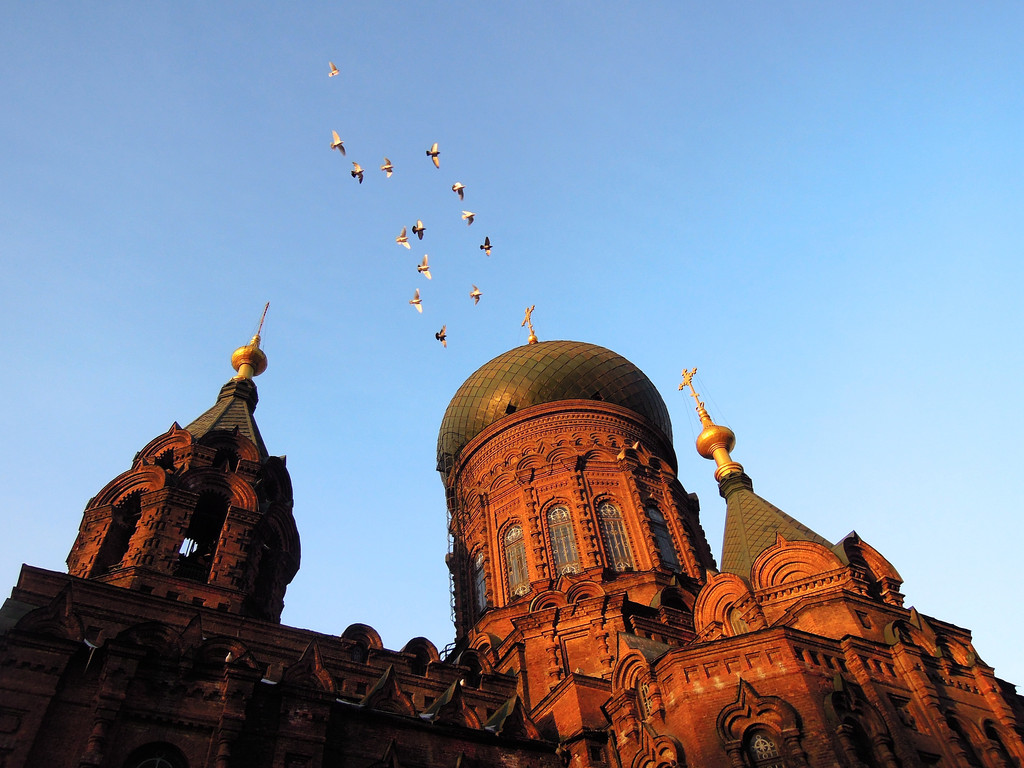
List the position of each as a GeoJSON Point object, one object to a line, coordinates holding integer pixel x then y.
{"type": "Point", "coordinates": [714, 437]}
{"type": "Point", "coordinates": [545, 372]}
{"type": "Point", "coordinates": [250, 356]}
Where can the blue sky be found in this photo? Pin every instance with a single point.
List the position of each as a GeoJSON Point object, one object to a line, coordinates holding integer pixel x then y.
{"type": "Point", "coordinates": [819, 205]}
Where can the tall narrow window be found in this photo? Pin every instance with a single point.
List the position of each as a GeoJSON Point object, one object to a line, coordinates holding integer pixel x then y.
{"type": "Point", "coordinates": [965, 742]}
{"type": "Point", "coordinates": [663, 538]}
{"type": "Point", "coordinates": [563, 542]}
{"type": "Point", "coordinates": [643, 695]}
{"type": "Point", "coordinates": [479, 584]}
{"type": "Point", "coordinates": [613, 532]}
{"type": "Point", "coordinates": [123, 522]}
{"type": "Point", "coordinates": [515, 562]}
{"type": "Point", "coordinates": [200, 545]}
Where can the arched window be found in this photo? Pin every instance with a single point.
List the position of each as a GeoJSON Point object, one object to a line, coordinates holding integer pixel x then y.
{"type": "Point", "coordinates": [662, 537]}
{"type": "Point", "coordinates": [996, 743]}
{"type": "Point", "coordinates": [965, 742]}
{"type": "Point", "coordinates": [197, 550]}
{"type": "Point", "coordinates": [763, 752]}
{"type": "Point", "coordinates": [563, 542]}
{"type": "Point", "coordinates": [737, 623]}
{"type": "Point", "coordinates": [156, 756]}
{"type": "Point", "coordinates": [123, 522]}
{"type": "Point", "coordinates": [616, 545]}
{"type": "Point", "coordinates": [515, 562]}
{"type": "Point", "coordinates": [479, 584]}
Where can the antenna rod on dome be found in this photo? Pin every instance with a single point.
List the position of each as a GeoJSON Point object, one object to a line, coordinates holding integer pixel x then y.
{"type": "Point", "coordinates": [262, 318]}
{"type": "Point", "coordinates": [528, 321]}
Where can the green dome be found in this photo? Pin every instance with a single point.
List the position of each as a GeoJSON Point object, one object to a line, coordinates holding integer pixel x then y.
{"type": "Point", "coordinates": [545, 373]}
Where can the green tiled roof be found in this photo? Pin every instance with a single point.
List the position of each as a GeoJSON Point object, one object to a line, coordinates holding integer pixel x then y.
{"type": "Point", "coordinates": [751, 525]}
{"type": "Point", "coordinates": [234, 408]}
{"type": "Point", "coordinates": [545, 373]}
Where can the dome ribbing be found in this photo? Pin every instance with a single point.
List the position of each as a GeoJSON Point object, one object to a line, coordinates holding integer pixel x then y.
{"type": "Point", "coordinates": [545, 373]}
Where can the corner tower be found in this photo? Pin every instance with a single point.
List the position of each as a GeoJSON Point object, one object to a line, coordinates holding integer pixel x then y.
{"type": "Point", "coordinates": [204, 515]}
{"type": "Point", "coordinates": [567, 522]}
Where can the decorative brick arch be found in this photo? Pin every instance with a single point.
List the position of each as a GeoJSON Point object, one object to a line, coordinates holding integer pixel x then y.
{"type": "Point", "coordinates": [134, 480]}
{"type": "Point", "coordinates": [548, 599]}
{"type": "Point", "coordinates": [216, 652]}
{"type": "Point", "coordinates": [627, 671]}
{"type": "Point", "coordinates": [884, 581]}
{"type": "Point", "coordinates": [751, 711]}
{"type": "Point", "coordinates": [584, 590]}
{"type": "Point", "coordinates": [222, 439]}
{"type": "Point", "coordinates": [722, 592]}
{"type": "Point", "coordinates": [210, 479]}
{"type": "Point", "coordinates": [852, 717]}
{"type": "Point", "coordinates": [161, 640]}
{"type": "Point", "coordinates": [788, 561]}
{"type": "Point", "coordinates": [173, 438]}
{"type": "Point", "coordinates": [57, 619]}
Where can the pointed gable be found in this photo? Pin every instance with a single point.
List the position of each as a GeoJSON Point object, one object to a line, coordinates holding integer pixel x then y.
{"type": "Point", "coordinates": [309, 671]}
{"type": "Point", "coordinates": [512, 721]}
{"type": "Point", "coordinates": [451, 708]}
{"type": "Point", "coordinates": [387, 696]}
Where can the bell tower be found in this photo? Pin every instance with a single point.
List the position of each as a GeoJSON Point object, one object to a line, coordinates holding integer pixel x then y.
{"type": "Point", "coordinates": [204, 514]}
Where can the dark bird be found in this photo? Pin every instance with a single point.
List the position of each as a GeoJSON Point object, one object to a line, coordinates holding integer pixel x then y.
{"type": "Point", "coordinates": [475, 294]}
{"type": "Point", "coordinates": [434, 154]}
{"type": "Point", "coordinates": [460, 189]}
{"type": "Point", "coordinates": [357, 172]}
{"type": "Point", "coordinates": [338, 144]}
{"type": "Point", "coordinates": [415, 301]}
{"type": "Point", "coordinates": [334, 69]}
{"type": "Point", "coordinates": [442, 336]}
{"type": "Point", "coordinates": [403, 240]}
{"type": "Point", "coordinates": [423, 268]}
{"type": "Point", "coordinates": [468, 216]}
{"type": "Point", "coordinates": [419, 229]}
{"type": "Point", "coordinates": [486, 247]}
{"type": "Point", "coordinates": [387, 168]}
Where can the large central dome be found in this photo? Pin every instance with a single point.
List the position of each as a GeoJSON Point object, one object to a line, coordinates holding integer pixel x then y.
{"type": "Point", "coordinates": [545, 373]}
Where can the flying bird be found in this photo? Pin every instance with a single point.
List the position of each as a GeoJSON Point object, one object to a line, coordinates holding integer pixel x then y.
{"type": "Point", "coordinates": [442, 336]}
{"type": "Point", "coordinates": [387, 168]}
{"type": "Point", "coordinates": [468, 216]}
{"type": "Point", "coordinates": [460, 189]}
{"type": "Point", "coordinates": [486, 247]}
{"type": "Point", "coordinates": [419, 229]}
{"type": "Point", "coordinates": [338, 144]}
{"type": "Point", "coordinates": [434, 154]}
{"type": "Point", "coordinates": [403, 240]}
{"type": "Point", "coordinates": [475, 295]}
{"type": "Point", "coordinates": [357, 172]}
{"type": "Point", "coordinates": [415, 301]}
{"type": "Point", "coordinates": [334, 69]}
{"type": "Point", "coordinates": [423, 268]}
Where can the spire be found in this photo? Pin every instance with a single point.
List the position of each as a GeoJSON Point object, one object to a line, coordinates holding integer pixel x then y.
{"type": "Point", "coordinates": [238, 398]}
{"type": "Point", "coordinates": [751, 523]}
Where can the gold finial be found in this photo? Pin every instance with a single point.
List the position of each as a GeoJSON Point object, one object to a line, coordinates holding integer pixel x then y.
{"type": "Point", "coordinates": [714, 441]}
{"type": "Point", "coordinates": [527, 321]}
{"type": "Point", "coordinates": [250, 360]}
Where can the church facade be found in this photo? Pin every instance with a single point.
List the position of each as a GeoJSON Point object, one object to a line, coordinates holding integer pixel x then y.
{"type": "Point", "coordinates": [594, 627]}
